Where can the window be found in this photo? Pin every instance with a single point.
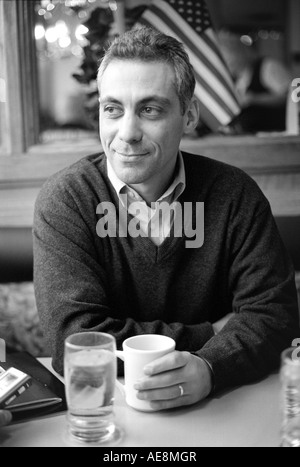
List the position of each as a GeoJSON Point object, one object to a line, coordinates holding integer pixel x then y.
{"type": "Point", "coordinates": [60, 39]}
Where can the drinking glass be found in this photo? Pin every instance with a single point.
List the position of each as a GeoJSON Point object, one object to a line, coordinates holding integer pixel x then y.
{"type": "Point", "coordinates": [90, 375]}
{"type": "Point", "coordinates": [290, 397]}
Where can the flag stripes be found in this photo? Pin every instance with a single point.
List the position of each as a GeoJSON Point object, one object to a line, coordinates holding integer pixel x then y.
{"type": "Point", "coordinates": [214, 88]}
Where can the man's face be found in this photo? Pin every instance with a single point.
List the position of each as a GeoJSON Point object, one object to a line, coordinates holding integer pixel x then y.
{"type": "Point", "coordinates": [141, 122]}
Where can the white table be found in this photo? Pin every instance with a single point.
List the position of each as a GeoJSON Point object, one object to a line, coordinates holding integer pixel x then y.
{"type": "Point", "coordinates": [243, 417]}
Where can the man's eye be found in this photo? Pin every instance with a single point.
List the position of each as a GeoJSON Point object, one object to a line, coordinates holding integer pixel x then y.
{"type": "Point", "coordinates": [112, 111]}
{"type": "Point", "coordinates": [151, 111]}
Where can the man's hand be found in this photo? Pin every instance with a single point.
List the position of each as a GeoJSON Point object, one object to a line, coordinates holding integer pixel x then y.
{"type": "Point", "coordinates": [167, 375]}
{"type": "Point", "coordinates": [5, 417]}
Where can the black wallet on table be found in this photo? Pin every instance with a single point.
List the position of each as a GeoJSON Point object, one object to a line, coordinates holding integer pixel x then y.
{"type": "Point", "coordinates": [46, 393]}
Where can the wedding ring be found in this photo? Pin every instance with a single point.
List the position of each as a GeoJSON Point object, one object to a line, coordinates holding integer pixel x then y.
{"type": "Point", "coordinates": [181, 391]}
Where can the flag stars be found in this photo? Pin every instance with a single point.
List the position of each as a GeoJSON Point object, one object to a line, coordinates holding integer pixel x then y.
{"type": "Point", "coordinates": [195, 13]}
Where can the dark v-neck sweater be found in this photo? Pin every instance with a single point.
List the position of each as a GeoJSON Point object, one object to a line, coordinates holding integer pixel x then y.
{"type": "Point", "coordinates": [128, 286]}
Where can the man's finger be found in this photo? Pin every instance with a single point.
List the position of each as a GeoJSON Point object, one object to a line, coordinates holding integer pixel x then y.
{"type": "Point", "coordinates": [165, 394]}
{"type": "Point", "coordinates": [160, 381]}
{"type": "Point", "coordinates": [169, 362]}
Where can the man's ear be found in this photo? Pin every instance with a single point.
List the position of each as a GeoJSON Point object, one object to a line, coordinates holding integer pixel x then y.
{"type": "Point", "coordinates": [192, 116]}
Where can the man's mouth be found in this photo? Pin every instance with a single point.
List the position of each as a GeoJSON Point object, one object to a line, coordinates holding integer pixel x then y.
{"type": "Point", "coordinates": [131, 156]}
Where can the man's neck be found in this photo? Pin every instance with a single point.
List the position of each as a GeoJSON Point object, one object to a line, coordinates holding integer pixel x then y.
{"type": "Point", "coordinates": [152, 190]}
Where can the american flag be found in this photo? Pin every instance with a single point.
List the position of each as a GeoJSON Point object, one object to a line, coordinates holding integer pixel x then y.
{"type": "Point", "coordinates": [189, 22]}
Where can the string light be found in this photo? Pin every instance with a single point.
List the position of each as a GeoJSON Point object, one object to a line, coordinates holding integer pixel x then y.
{"type": "Point", "coordinates": [80, 32]}
{"type": "Point", "coordinates": [113, 5]}
{"type": "Point", "coordinates": [54, 38]}
{"type": "Point", "coordinates": [75, 3]}
{"type": "Point", "coordinates": [51, 35]}
{"type": "Point", "coordinates": [39, 32]}
{"type": "Point", "coordinates": [247, 40]}
{"type": "Point", "coordinates": [64, 42]}
{"type": "Point", "coordinates": [50, 7]}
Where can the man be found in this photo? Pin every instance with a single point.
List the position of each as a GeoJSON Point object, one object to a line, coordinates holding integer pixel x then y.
{"type": "Point", "coordinates": [228, 301]}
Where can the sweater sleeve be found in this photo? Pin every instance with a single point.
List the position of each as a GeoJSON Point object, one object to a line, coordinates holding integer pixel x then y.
{"type": "Point", "coordinates": [261, 280]}
{"type": "Point", "coordinates": [71, 284]}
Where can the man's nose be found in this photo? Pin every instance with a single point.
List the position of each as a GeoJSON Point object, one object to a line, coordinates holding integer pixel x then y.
{"type": "Point", "coordinates": [130, 130]}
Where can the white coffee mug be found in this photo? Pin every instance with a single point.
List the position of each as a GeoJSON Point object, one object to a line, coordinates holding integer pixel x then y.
{"type": "Point", "coordinates": [137, 352]}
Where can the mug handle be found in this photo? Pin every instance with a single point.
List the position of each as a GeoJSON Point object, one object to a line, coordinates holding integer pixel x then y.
{"type": "Point", "coordinates": [120, 354]}
{"type": "Point", "coordinates": [120, 386]}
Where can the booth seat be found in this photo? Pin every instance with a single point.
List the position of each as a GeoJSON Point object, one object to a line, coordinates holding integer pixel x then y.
{"type": "Point", "coordinates": [289, 228]}
{"type": "Point", "coordinates": [19, 323]}
{"type": "Point", "coordinates": [16, 257]}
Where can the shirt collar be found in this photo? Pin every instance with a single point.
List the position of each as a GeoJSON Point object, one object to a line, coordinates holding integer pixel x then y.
{"type": "Point", "coordinates": [175, 190]}
{"type": "Point", "coordinates": [114, 180]}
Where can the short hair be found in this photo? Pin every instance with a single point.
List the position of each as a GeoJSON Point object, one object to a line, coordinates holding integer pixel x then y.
{"type": "Point", "coordinates": [148, 45]}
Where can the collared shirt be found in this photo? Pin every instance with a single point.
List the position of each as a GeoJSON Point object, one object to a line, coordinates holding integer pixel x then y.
{"type": "Point", "coordinates": [152, 223]}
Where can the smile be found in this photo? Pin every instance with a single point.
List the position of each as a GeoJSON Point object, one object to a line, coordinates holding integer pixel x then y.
{"type": "Point", "coordinates": [131, 157]}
